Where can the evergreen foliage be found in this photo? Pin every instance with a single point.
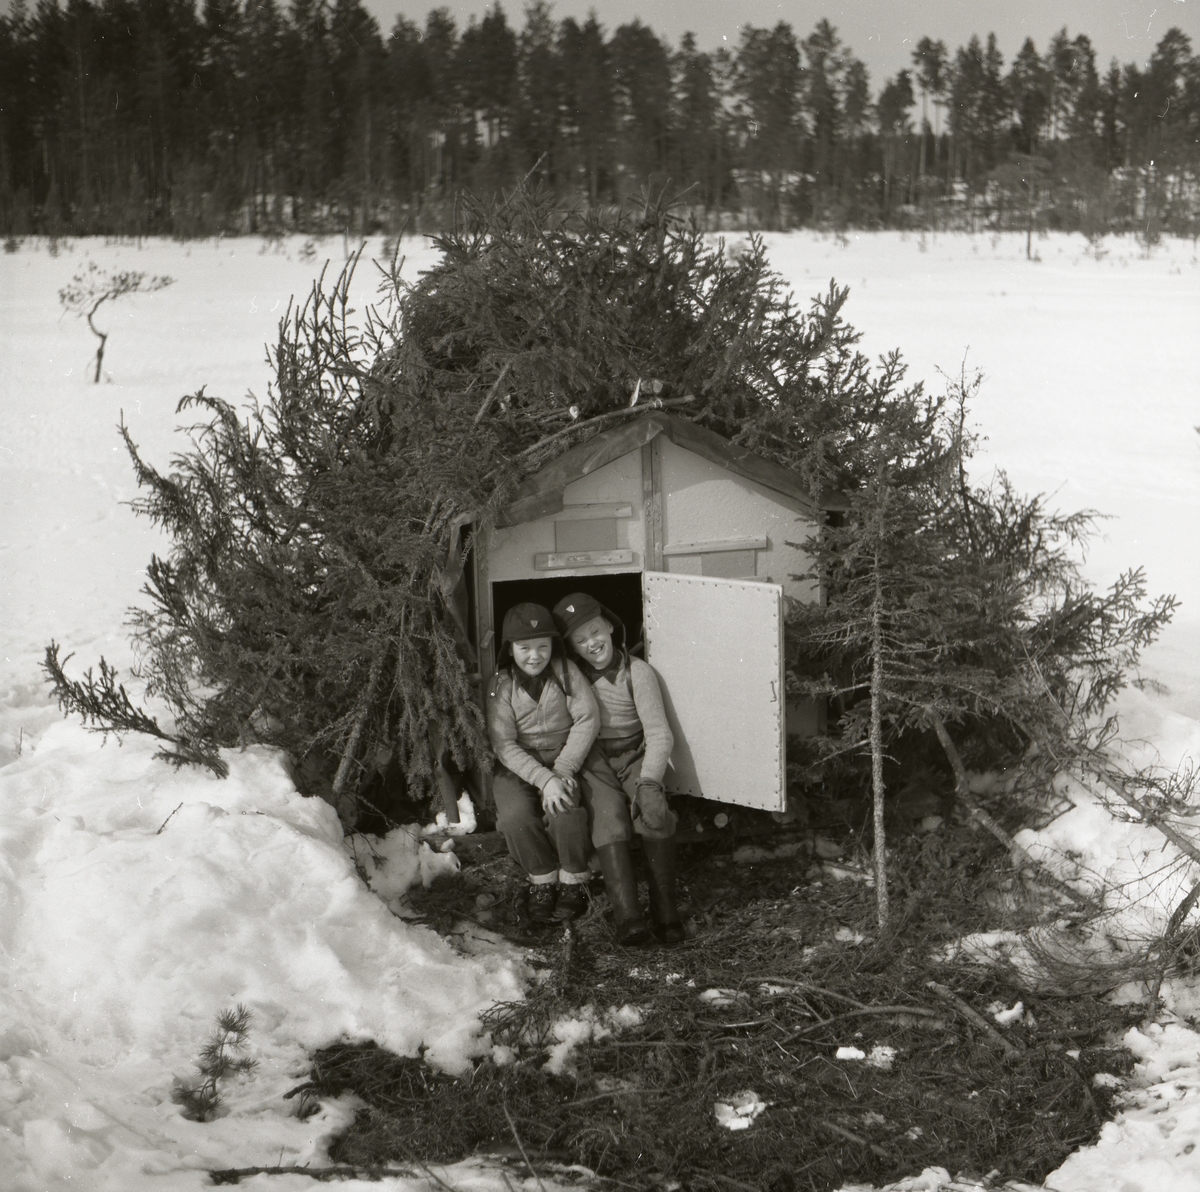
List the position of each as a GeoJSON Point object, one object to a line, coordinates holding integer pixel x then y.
{"type": "Point", "coordinates": [958, 611]}
{"type": "Point", "coordinates": [307, 601]}
{"type": "Point", "coordinates": [310, 599]}
{"type": "Point", "coordinates": [227, 117]}
{"type": "Point", "coordinates": [221, 1057]}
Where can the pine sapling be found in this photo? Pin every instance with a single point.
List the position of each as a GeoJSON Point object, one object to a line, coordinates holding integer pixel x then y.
{"type": "Point", "coordinates": [90, 288]}
{"type": "Point", "coordinates": [221, 1057]}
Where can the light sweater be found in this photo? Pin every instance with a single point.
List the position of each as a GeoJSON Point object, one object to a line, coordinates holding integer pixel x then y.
{"type": "Point", "coordinates": [518, 725]}
{"type": "Point", "coordinates": [631, 703]}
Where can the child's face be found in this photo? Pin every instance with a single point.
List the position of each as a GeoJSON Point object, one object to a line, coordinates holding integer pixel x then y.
{"type": "Point", "coordinates": [532, 654]}
{"type": "Point", "coordinates": [592, 641]}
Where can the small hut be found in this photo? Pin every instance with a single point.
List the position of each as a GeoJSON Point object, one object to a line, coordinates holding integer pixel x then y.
{"type": "Point", "coordinates": [695, 543]}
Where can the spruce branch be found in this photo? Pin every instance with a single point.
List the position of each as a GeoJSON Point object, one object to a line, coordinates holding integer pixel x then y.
{"type": "Point", "coordinates": [104, 706]}
{"type": "Point", "coordinates": [220, 1058]}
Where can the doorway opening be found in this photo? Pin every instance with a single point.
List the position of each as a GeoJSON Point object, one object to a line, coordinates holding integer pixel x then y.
{"type": "Point", "coordinates": [620, 592]}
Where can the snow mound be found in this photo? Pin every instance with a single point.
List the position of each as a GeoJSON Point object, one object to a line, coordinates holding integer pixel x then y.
{"type": "Point", "coordinates": [139, 902]}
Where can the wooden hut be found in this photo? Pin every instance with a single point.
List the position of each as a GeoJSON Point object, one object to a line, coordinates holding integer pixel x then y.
{"type": "Point", "coordinates": [695, 543]}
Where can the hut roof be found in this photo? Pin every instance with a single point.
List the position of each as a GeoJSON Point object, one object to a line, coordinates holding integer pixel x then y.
{"type": "Point", "coordinates": [542, 493]}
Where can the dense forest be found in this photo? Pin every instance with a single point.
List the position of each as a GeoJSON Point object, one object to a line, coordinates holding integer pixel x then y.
{"type": "Point", "coordinates": [130, 117]}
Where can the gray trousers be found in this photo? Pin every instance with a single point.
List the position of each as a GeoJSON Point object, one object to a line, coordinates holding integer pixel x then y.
{"type": "Point", "coordinates": [624, 759]}
{"type": "Point", "coordinates": [543, 843]}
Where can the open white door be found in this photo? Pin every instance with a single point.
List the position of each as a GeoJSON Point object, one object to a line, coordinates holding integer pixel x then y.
{"type": "Point", "coordinates": [717, 645]}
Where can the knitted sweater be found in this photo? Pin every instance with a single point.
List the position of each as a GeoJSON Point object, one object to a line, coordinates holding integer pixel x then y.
{"type": "Point", "coordinates": [517, 725]}
{"type": "Point", "coordinates": [631, 703]}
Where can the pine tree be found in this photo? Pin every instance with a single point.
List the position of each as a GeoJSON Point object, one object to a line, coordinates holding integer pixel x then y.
{"type": "Point", "coordinates": [959, 612]}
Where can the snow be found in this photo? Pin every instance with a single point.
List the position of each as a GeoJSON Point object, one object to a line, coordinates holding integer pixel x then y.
{"type": "Point", "coordinates": [139, 901]}
{"type": "Point", "coordinates": [739, 1112]}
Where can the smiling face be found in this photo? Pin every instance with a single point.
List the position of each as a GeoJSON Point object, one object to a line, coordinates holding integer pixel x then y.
{"type": "Point", "coordinates": [532, 654]}
{"type": "Point", "coordinates": [592, 641]}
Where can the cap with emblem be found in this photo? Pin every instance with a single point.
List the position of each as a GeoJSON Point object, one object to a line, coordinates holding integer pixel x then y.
{"type": "Point", "coordinates": [576, 608]}
{"type": "Point", "coordinates": [524, 621]}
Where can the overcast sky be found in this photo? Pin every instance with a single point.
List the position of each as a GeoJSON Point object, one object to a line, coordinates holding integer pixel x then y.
{"type": "Point", "coordinates": [881, 32]}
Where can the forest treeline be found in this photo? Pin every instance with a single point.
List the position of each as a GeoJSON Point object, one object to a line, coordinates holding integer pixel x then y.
{"type": "Point", "coordinates": [129, 117]}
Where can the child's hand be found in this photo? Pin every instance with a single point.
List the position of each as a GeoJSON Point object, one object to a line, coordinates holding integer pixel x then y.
{"type": "Point", "coordinates": [651, 804]}
{"type": "Point", "coordinates": [555, 796]}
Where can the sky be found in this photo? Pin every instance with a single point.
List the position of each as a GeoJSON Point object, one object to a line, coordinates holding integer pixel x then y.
{"type": "Point", "coordinates": [881, 32]}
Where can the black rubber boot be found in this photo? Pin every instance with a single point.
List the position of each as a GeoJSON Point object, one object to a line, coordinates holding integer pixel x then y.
{"type": "Point", "coordinates": [660, 868]}
{"type": "Point", "coordinates": [616, 863]}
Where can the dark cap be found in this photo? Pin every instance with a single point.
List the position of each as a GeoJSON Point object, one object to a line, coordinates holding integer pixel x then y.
{"type": "Point", "coordinates": [573, 610]}
{"type": "Point", "coordinates": [524, 621]}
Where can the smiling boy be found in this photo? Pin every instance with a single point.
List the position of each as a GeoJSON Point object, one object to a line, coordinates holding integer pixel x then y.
{"type": "Point", "coordinates": [636, 741]}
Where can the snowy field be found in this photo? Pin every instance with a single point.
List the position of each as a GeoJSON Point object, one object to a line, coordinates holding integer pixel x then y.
{"type": "Point", "coordinates": [136, 902]}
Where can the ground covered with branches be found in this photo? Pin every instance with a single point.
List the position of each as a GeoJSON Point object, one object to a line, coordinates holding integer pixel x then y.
{"type": "Point", "coordinates": [791, 950]}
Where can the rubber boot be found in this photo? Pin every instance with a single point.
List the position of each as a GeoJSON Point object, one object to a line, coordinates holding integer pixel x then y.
{"type": "Point", "coordinates": [616, 863]}
{"type": "Point", "coordinates": [660, 868]}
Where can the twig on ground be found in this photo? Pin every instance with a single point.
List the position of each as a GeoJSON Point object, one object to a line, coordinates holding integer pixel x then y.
{"type": "Point", "coordinates": [725, 1179]}
{"type": "Point", "coordinates": [841, 997]}
{"type": "Point", "coordinates": [917, 1011]}
{"type": "Point", "coordinates": [850, 1136]}
{"type": "Point", "coordinates": [973, 1017]}
{"type": "Point", "coordinates": [1167, 947]}
{"type": "Point", "coordinates": [166, 822]}
{"type": "Point", "coordinates": [521, 1147]}
{"type": "Point", "coordinates": [962, 793]}
{"type": "Point", "coordinates": [1182, 911]}
{"type": "Point", "coordinates": [235, 1175]}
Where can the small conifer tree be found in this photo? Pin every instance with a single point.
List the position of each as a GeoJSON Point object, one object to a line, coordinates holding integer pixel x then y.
{"type": "Point", "coordinates": [961, 608]}
{"type": "Point", "coordinates": [90, 288]}
{"type": "Point", "coordinates": [220, 1058]}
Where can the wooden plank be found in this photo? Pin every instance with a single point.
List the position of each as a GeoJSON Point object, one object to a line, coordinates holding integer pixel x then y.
{"type": "Point", "coordinates": [597, 509]}
{"type": "Point", "coordinates": [587, 558]}
{"type": "Point", "coordinates": [652, 504]}
{"type": "Point", "coordinates": [714, 544]}
{"type": "Point", "coordinates": [483, 615]}
{"type": "Point", "coordinates": [720, 451]}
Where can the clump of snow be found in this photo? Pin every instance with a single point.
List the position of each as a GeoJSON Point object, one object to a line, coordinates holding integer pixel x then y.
{"type": "Point", "coordinates": [1152, 1142]}
{"type": "Point", "coordinates": [466, 820]}
{"type": "Point", "coordinates": [739, 1111]}
{"type": "Point", "coordinates": [721, 997]}
{"type": "Point", "coordinates": [882, 1057]}
{"type": "Point", "coordinates": [586, 1025]}
{"type": "Point", "coordinates": [1014, 1013]}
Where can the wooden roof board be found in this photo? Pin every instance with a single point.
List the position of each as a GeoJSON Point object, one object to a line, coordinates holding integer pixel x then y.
{"type": "Point", "coordinates": [542, 493]}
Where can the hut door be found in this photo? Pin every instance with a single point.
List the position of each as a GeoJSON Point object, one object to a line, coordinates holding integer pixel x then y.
{"type": "Point", "coordinates": [717, 645]}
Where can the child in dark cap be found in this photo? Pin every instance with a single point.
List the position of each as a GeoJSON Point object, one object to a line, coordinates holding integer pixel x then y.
{"type": "Point", "coordinates": [543, 720]}
{"type": "Point", "coordinates": [636, 741]}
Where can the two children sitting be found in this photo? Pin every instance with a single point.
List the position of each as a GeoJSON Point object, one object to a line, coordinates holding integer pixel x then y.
{"type": "Point", "coordinates": [582, 748]}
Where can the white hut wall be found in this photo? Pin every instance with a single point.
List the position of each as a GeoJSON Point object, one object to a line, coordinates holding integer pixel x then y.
{"type": "Point", "coordinates": [718, 523]}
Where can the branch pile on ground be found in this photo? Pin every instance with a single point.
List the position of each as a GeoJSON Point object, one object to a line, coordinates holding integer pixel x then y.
{"type": "Point", "coordinates": [797, 979]}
